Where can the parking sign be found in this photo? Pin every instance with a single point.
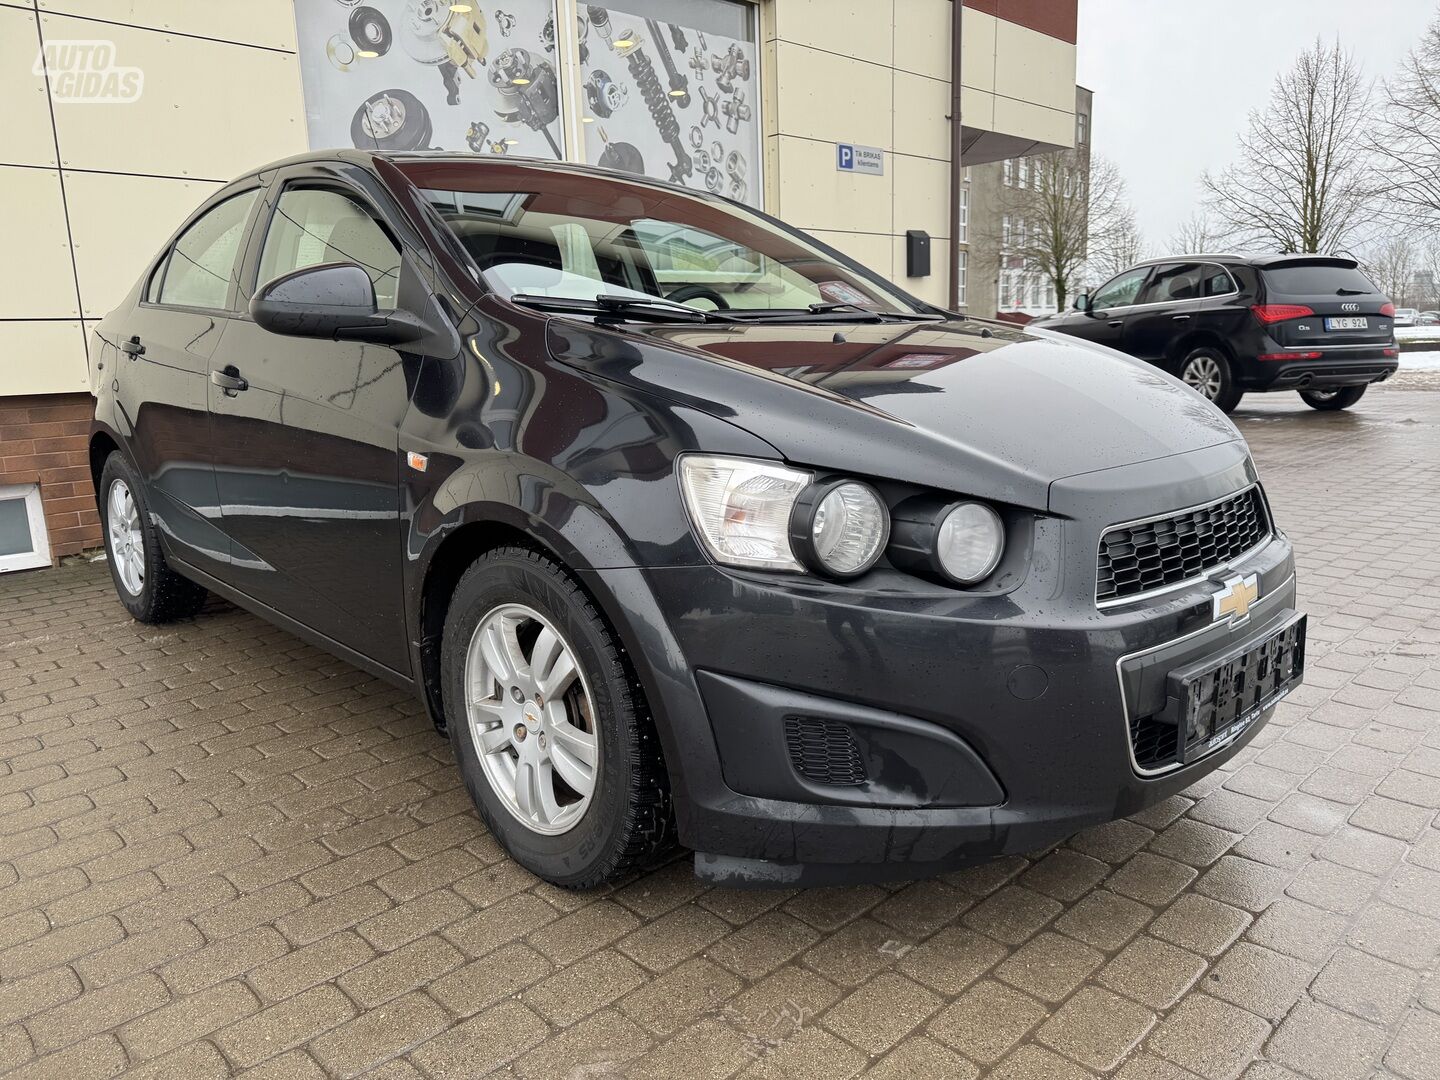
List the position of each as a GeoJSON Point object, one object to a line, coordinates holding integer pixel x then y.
{"type": "Point", "coordinates": [853, 158]}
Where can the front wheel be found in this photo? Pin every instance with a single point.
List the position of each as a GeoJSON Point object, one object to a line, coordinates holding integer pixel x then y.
{"type": "Point", "coordinates": [549, 724]}
{"type": "Point", "coordinates": [144, 582]}
{"type": "Point", "coordinates": [1207, 372]}
{"type": "Point", "coordinates": [1332, 400]}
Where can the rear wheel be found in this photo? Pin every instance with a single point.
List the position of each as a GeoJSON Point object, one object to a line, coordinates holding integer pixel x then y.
{"type": "Point", "coordinates": [549, 724]}
{"type": "Point", "coordinates": [1332, 400]}
{"type": "Point", "coordinates": [144, 582]}
{"type": "Point", "coordinates": [1207, 371]}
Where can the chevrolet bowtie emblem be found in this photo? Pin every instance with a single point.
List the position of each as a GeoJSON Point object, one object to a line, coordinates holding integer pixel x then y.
{"type": "Point", "coordinates": [1234, 600]}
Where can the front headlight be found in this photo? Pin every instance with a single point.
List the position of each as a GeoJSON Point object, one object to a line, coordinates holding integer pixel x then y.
{"type": "Point", "coordinates": [741, 509]}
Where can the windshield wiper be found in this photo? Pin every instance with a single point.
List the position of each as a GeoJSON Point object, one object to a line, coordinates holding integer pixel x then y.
{"type": "Point", "coordinates": [606, 304]}
{"type": "Point", "coordinates": [838, 312]}
{"type": "Point", "coordinates": [1351, 292]}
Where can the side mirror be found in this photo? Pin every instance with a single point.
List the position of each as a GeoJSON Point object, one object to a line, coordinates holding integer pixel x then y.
{"type": "Point", "coordinates": [1082, 302]}
{"type": "Point", "coordinates": [334, 301]}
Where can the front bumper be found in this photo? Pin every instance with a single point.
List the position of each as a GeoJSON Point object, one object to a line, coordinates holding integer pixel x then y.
{"type": "Point", "coordinates": [1000, 722]}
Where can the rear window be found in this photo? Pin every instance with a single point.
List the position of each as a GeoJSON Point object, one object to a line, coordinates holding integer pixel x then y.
{"type": "Point", "coordinates": [1316, 280]}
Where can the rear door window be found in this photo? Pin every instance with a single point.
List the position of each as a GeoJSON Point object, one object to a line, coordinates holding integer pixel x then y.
{"type": "Point", "coordinates": [1218, 281]}
{"type": "Point", "coordinates": [201, 265]}
{"type": "Point", "coordinates": [1172, 283]}
{"type": "Point", "coordinates": [1323, 279]}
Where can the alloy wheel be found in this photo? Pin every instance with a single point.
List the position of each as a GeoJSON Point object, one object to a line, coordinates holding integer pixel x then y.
{"type": "Point", "coordinates": [1202, 373]}
{"type": "Point", "coordinates": [531, 718]}
{"type": "Point", "coordinates": [126, 541]}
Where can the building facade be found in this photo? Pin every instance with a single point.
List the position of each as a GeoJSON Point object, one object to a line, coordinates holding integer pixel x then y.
{"type": "Point", "coordinates": [123, 115]}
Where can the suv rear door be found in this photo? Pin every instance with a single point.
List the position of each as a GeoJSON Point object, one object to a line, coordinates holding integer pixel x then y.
{"type": "Point", "coordinates": [1344, 307]}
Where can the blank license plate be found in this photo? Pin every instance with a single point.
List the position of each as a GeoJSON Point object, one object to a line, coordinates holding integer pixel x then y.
{"type": "Point", "coordinates": [1353, 323]}
{"type": "Point", "coordinates": [1218, 700]}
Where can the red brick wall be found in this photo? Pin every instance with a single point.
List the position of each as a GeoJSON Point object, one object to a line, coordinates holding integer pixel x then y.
{"type": "Point", "coordinates": [1054, 18]}
{"type": "Point", "coordinates": [45, 439]}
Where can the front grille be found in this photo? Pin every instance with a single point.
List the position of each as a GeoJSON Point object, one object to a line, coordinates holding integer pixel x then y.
{"type": "Point", "coordinates": [1141, 558]}
{"type": "Point", "coordinates": [824, 751]}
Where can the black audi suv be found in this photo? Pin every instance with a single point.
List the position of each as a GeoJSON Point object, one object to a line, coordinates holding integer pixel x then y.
{"type": "Point", "coordinates": [1231, 325]}
{"type": "Point", "coordinates": [682, 524]}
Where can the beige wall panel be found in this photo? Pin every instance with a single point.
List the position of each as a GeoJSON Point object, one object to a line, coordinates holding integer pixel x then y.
{"type": "Point", "coordinates": [978, 56]}
{"type": "Point", "coordinates": [1035, 122]}
{"type": "Point", "coordinates": [26, 137]}
{"type": "Point", "coordinates": [922, 194]}
{"type": "Point", "coordinates": [922, 37]}
{"type": "Point", "coordinates": [1030, 66]}
{"type": "Point", "coordinates": [270, 23]}
{"type": "Point", "coordinates": [41, 284]}
{"type": "Point", "coordinates": [921, 108]}
{"type": "Point", "coordinates": [42, 358]}
{"type": "Point", "coordinates": [816, 195]}
{"type": "Point", "coordinates": [111, 249]}
{"type": "Point", "coordinates": [977, 108]}
{"type": "Point", "coordinates": [859, 28]}
{"type": "Point", "coordinates": [870, 251]}
{"type": "Point", "coordinates": [208, 109]}
{"type": "Point", "coordinates": [824, 96]}
{"type": "Point", "coordinates": [936, 287]}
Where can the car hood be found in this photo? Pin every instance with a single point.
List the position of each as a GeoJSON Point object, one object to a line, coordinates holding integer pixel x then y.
{"type": "Point", "coordinates": [982, 409]}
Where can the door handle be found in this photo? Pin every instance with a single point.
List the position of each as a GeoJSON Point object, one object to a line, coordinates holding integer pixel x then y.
{"type": "Point", "coordinates": [1182, 318]}
{"type": "Point", "coordinates": [230, 380]}
{"type": "Point", "coordinates": [132, 348]}
{"type": "Point", "coordinates": [1117, 323]}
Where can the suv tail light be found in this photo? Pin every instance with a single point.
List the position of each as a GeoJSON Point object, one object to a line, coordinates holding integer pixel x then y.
{"type": "Point", "coordinates": [1388, 309]}
{"type": "Point", "coordinates": [1290, 356]}
{"type": "Point", "coordinates": [1273, 313]}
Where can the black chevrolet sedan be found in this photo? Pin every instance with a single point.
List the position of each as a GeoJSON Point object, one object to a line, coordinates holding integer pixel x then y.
{"type": "Point", "coordinates": [685, 527]}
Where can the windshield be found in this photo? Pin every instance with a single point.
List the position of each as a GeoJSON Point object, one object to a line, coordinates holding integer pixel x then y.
{"type": "Point", "coordinates": [543, 232]}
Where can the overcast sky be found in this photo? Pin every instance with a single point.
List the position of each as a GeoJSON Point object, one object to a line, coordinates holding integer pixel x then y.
{"type": "Point", "coordinates": [1175, 80]}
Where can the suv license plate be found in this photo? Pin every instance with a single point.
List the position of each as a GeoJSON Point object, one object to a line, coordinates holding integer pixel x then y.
{"type": "Point", "coordinates": [1217, 700]}
{"type": "Point", "coordinates": [1360, 323]}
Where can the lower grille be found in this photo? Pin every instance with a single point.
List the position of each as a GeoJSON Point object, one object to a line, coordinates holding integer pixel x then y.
{"type": "Point", "coordinates": [824, 752]}
{"type": "Point", "coordinates": [1156, 744]}
{"type": "Point", "coordinates": [1150, 555]}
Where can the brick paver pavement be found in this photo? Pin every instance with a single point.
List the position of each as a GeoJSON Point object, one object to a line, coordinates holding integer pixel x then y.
{"type": "Point", "coordinates": [221, 850]}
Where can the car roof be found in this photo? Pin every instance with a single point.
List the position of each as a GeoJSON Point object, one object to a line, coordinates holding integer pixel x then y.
{"type": "Point", "coordinates": [1261, 260]}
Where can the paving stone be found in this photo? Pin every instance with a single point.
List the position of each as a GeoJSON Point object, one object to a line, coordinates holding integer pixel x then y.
{"type": "Point", "coordinates": [1152, 972]}
{"type": "Point", "coordinates": [1209, 1037]}
{"type": "Point", "coordinates": [1370, 988]}
{"type": "Point", "coordinates": [1200, 924]}
{"type": "Point", "coordinates": [987, 1020]}
{"type": "Point", "coordinates": [1097, 1028]}
{"type": "Point", "coordinates": [1049, 966]}
{"type": "Point", "coordinates": [1327, 1044]}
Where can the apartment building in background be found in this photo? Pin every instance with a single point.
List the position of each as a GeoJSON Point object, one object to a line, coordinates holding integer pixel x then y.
{"type": "Point", "coordinates": [123, 115]}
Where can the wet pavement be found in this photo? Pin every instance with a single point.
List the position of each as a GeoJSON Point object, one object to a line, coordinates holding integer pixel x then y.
{"type": "Point", "coordinates": [222, 850]}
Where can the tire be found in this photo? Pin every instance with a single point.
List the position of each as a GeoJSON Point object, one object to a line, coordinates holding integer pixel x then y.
{"type": "Point", "coordinates": [1332, 400]}
{"type": "Point", "coordinates": [1206, 370]}
{"type": "Point", "coordinates": [144, 582]}
{"type": "Point", "coordinates": [575, 839]}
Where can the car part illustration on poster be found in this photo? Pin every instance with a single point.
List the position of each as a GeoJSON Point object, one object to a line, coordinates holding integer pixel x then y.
{"type": "Point", "coordinates": [669, 101]}
{"type": "Point", "coordinates": [431, 75]}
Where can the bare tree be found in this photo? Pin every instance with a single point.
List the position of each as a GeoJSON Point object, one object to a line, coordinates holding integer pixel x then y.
{"type": "Point", "coordinates": [1116, 242]}
{"type": "Point", "coordinates": [1408, 137]}
{"type": "Point", "coordinates": [1304, 179]}
{"type": "Point", "coordinates": [1058, 208]}
{"type": "Point", "coordinates": [1391, 264]}
{"type": "Point", "coordinates": [1198, 236]}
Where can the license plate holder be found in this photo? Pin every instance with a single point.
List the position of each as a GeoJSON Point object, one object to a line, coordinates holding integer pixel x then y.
{"type": "Point", "coordinates": [1349, 322]}
{"type": "Point", "coordinates": [1214, 701]}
